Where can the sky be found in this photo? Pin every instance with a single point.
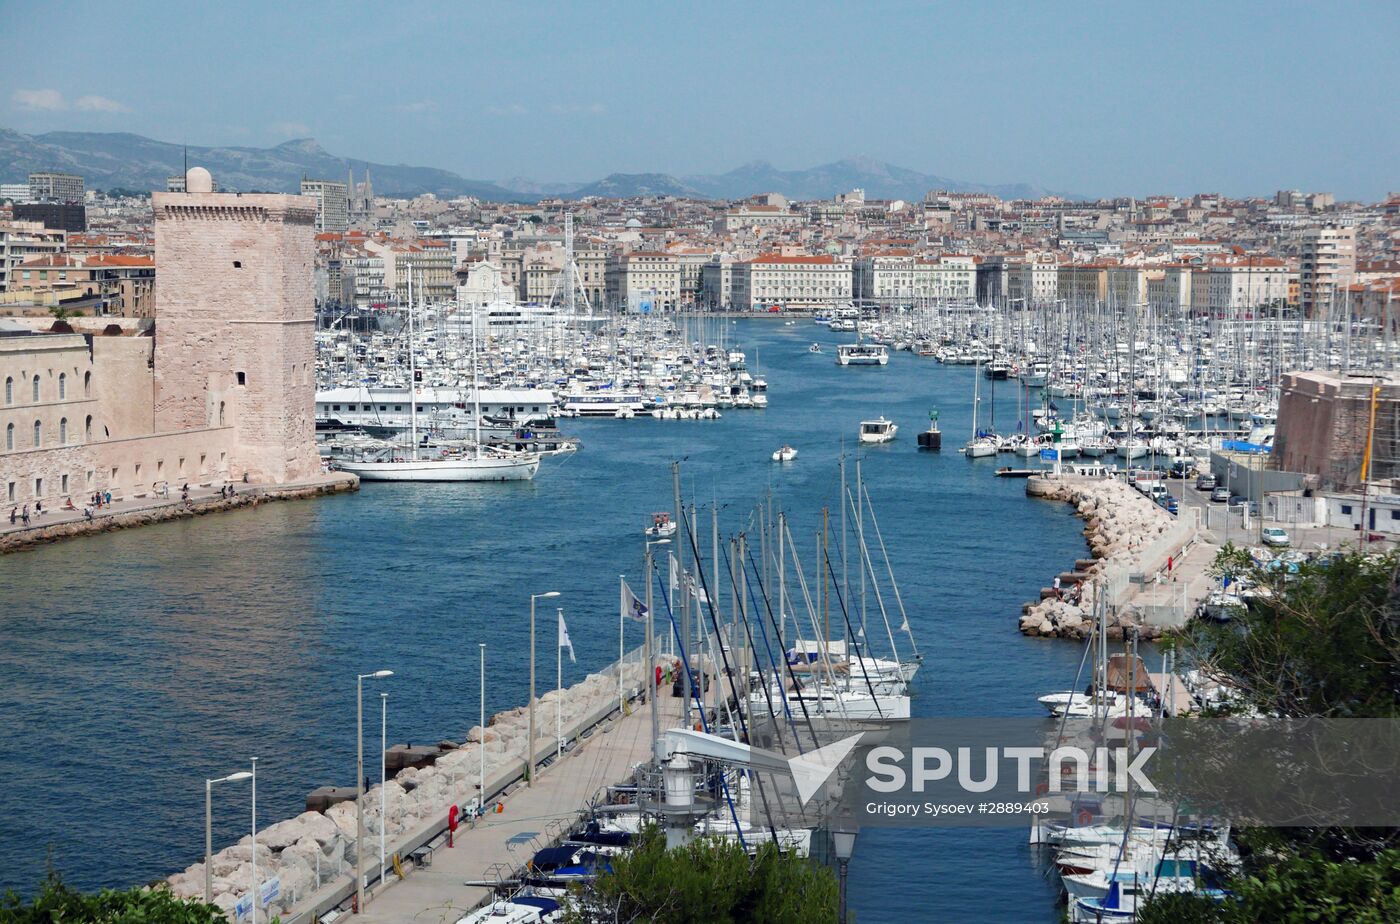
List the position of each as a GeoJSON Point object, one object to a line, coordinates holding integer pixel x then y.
{"type": "Point", "coordinates": [1123, 98]}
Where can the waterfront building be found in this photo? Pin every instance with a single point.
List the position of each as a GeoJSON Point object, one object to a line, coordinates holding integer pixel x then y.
{"type": "Point", "coordinates": [774, 280]}
{"type": "Point", "coordinates": [1033, 280]}
{"type": "Point", "coordinates": [1230, 284]}
{"type": "Point", "coordinates": [1328, 263]}
{"type": "Point", "coordinates": [643, 276]}
{"type": "Point", "coordinates": [717, 283]}
{"type": "Point", "coordinates": [332, 203]}
{"type": "Point", "coordinates": [55, 187]}
{"type": "Point", "coordinates": [903, 279]}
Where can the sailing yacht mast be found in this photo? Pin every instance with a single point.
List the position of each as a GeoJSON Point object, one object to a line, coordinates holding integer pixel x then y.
{"type": "Point", "coordinates": [412, 376]}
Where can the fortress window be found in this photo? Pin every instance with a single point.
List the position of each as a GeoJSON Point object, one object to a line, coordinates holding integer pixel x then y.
{"type": "Point", "coordinates": [242, 378]}
{"type": "Point", "coordinates": [237, 264]}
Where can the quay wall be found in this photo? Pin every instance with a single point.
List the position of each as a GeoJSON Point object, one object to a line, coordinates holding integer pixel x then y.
{"type": "Point", "coordinates": [158, 510]}
{"type": "Point", "coordinates": [1130, 538]}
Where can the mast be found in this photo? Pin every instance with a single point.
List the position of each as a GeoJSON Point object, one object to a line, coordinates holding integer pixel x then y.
{"type": "Point", "coordinates": [412, 376]}
{"type": "Point", "coordinates": [476, 393]}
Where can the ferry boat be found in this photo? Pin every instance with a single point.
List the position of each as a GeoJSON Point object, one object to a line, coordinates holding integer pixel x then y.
{"type": "Point", "coordinates": [878, 430]}
{"type": "Point", "coordinates": [602, 403]}
{"type": "Point", "coordinates": [448, 413]}
{"type": "Point", "coordinates": [862, 354]}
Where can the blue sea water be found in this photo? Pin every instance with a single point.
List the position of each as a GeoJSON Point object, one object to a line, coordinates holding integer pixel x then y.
{"type": "Point", "coordinates": [138, 663]}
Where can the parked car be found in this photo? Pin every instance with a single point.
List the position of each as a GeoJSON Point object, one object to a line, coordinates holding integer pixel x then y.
{"type": "Point", "coordinates": [1219, 495]}
{"type": "Point", "coordinates": [1238, 500]}
{"type": "Point", "coordinates": [1274, 535]}
{"type": "Point", "coordinates": [1205, 483]}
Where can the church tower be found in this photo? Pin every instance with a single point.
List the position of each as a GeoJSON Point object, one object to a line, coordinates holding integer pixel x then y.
{"type": "Point", "coordinates": [235, 324]}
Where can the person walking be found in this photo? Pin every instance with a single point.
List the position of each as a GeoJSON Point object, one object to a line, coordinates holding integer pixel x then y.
{"type": "Point", "coordinates": [87, 512]}
{"type": "Point", "coordinates": [14, 515]}
{"type": "Point", "coordinates": [24, 515]}
{"type": "Point", "coordinates": [38, 508]}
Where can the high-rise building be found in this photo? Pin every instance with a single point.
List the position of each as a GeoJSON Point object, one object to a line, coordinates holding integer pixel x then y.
{"type": "Point", "coordinates": [55, 187]}
{"type": "Point", "coordinates": [64, 216]}
{"type": "Point", "coordinates": [332, 204]}
{"type": "Point", "coordinates": [1328, 263]}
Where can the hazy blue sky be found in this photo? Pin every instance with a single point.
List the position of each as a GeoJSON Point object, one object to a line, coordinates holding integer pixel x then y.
{"type": "Point", "coordinates": [1115, 98]}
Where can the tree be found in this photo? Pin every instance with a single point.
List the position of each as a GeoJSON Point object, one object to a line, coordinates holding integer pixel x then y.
{"type": "Point", "coordinates": [708, 881]}
{"type": "Point", "coordinates": [57, 903]}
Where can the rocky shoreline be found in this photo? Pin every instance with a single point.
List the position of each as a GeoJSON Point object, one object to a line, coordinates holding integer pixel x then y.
{"type": "Point", "coordinates": [1119, 524]}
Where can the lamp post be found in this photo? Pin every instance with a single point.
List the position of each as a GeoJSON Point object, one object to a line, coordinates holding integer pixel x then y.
{"type": "Point", "coordinates": [530, 744]}
{"type": "Point", "coordinates": [253, 852]}
{"type": "Point", "coordinates": [843, 842]}
{"type": "Point", "coordinates": [481, 743]}
{"type": "Point", "coordinates": [360, 784]}
{"type": "Point", "coordinates": [383, 773]}
{"type": "Point", "coordinates": [208, 828]}
{"type": "Point", "coordinates": [650, 681]}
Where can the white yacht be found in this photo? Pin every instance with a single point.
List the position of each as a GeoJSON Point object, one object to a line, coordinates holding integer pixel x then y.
{"type": "Point", "coordinates": [785, 454]}
{"type": "Point", "coordinates": [449, 466]}
{"type": "Point", "coordinates": [878, 430]}
{"type": "Point", "coordinates": [863, 354]}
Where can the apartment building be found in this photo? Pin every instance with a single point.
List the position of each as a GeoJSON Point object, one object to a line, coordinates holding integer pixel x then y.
{"type": "Point", "coordinates": [24, 240]}
{"type": "Point", "coordinates": [1328, 264]}
{"type": "Point", "coordinates": [1234, 284]}
{"type": "Point", "coordinates": [903, 279]}
{"type": "Point", "coordinates": [55, 187]}
{"type": "Point", "coordinates": [332, 204]}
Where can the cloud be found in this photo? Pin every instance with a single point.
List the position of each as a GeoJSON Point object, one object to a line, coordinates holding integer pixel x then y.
{"type": "Point", "coordinates": [506, 109]}
{"type": "Point", "coordinates": [298, 129]}
{"type": "Point", "coordinates": [99, 104]}
{"type": "Point", "coordinates": [578, 109]}
{"type": "Point", "coordinates": [422, 105]}
{"type": "Point", "coordinates": [39, 100]}
{"type": "Point", "coordinates": [49, 100]}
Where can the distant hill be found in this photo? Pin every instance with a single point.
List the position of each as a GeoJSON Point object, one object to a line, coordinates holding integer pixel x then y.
{"type": "Point", "coordinates": [120, 159]}
{"type": "Point", "coordinates": [123, 160]}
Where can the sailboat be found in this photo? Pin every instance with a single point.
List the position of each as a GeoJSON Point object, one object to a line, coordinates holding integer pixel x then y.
{"type": "Point", "coordinates": [450, 464]}
{"type": "Point", "coordinates": [980, 446]}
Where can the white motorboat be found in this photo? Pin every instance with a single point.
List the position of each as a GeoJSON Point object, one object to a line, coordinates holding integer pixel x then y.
{"type": "Point", "coordinates": [814, 348]}
{"type": "Point", "coordinates": [878, 430]}
{"type": "Point", "coordinates": [662, 526]}
{"type": "Point", "coordinates": [785, 454]}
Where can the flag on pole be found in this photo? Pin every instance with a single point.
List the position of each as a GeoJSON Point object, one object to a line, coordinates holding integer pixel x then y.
{"type": "Point", "coordinates": [564, 640]}
{"type": "Point", "coordinates": [631, 606]}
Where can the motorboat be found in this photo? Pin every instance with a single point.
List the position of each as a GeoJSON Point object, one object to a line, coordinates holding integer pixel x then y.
{"type": "Point", "coordinates": [878, 430]}
{"type": "Point", "coordinates": [662, 526]}
{"type": "Point", "coordinates": [814, 348]}
{"type": "Point", "coordinates": [785, 454]}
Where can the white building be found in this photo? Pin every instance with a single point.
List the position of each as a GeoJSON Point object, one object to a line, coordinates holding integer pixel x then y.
{"type": "Point", "coordinates": [771, 280]}
{"type": "Point", "coordinates": [1230, 284]}
{"type": "Point", "coordinates": [332, 204]}
{"type": "Point", "coordinates": [22, 240]}
{"type": "Point", "coordinates": [1328, 263]}
{"type": "Point", "coordinates": [641, 277]}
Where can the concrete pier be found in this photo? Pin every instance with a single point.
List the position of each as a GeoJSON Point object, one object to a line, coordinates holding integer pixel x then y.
{"type": "Point", "coordinates": [61, 523]}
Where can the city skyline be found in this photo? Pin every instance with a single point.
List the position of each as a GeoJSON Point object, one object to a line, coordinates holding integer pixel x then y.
{"type": "Point", "coordinates": [1098, 102]}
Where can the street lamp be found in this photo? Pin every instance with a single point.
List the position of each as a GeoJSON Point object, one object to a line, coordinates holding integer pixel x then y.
{"type": "Point", "coordinates": [843, 841]}
{"type": "Point", "coordinates": [208, 827]}
{"type": "Point", "coordinates": [360, 783]}
{"type": "Point", "coordinates": [650, 682]}
{"type": "Point", "coordinates": [530, 744]}
{"type": "Point", "coordinates": [481, 742]}
{"type": "Point", "coordinates": [253, 851]}
{"type": "Point", "coordinates": [383, 773]}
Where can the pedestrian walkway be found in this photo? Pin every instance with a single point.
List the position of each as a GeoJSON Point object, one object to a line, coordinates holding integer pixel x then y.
{"type": "Point", "coordinates": [437, 892]}
{"type": "Point", "coordinates": [151, 508]}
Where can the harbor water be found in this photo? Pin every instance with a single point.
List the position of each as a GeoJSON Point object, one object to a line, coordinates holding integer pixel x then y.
{"type": "Point", "coordinates": [139, 663]}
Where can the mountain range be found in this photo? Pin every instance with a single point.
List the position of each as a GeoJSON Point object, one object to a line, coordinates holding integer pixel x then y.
{"type": "Point", "coordinates": [110, 160]}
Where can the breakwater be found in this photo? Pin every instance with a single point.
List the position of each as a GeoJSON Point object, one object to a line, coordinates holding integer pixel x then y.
{"type": "Point", "coordinates": [1130, 538]}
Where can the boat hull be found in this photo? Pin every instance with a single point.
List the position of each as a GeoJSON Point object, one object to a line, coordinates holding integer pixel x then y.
{"type": "Point", "coordinates": [459, 470]}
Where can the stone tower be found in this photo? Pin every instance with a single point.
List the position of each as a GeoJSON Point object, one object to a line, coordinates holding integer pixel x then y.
{"type": "Point", "coordinates": [235, 324]}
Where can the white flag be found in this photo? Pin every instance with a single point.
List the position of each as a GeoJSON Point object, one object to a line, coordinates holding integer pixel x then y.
{"type": "Point", "coordinates": [564, 641]}
{"type": "Point", "coordinates": [631, 606]}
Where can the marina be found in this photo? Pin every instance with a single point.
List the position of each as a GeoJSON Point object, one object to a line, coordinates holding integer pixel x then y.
{"type": "Point", "coordinates": [314, 608]}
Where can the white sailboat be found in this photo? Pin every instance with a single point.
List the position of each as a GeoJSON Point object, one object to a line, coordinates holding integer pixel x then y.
{"type": "Point", "coordinates": [452, 464]}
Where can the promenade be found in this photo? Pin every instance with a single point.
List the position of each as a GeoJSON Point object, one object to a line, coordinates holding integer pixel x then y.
{"type": "Point", "coordinates": [61, 523]}
{"type": "Point", "coordinates": [531, 815]}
